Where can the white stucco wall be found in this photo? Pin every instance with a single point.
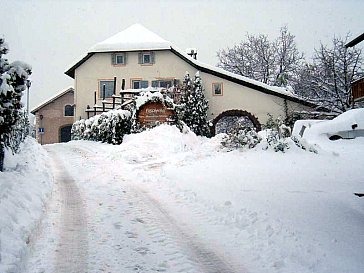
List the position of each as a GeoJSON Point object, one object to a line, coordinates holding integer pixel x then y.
{"type": "Point", "coordinates": [98, 67]}
{"type": "Point", "coordinates": [169, 65]}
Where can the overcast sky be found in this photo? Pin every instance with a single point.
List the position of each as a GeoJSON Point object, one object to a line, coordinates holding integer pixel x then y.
{"type": "Point", "coordinates": [53, 35]}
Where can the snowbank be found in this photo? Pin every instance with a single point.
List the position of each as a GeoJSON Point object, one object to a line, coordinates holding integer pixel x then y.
{"type": "Point", "coordinates": [24, 187]}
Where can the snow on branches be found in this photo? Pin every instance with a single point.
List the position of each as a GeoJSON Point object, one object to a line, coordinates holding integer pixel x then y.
{"type": "Point", "coordinates": [13, 78]}
{"type": "Point", "coordinates": [194, 105]}
{"type": "Point", "coordinates": [108, 127]}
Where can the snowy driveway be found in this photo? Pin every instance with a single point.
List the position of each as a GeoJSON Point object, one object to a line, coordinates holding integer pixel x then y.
{"type": "Point", "coordinates": [105, 226]}
{"type": "Point", "coordinates": [169, 202]}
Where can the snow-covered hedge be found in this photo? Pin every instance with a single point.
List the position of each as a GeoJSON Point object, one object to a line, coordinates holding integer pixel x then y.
{"type": "Point", "coordinates": [108, 127]}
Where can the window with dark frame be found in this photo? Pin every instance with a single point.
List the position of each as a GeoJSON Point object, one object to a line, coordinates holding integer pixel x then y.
{"type": "Point", "coordinates": [109, 88]}
{"type": "Point", "coordinates": [138, 84]}
{"type": "Point", "coordinates": [118, 59]}
{"type": "Point", "coordinates": [217, 89]}
{"type": "Point", "coordinates": [146, 58]}
{"type": "Point", "coordinates": [68, 111]}
{"type": "Point", "coordinates": [164, 83]}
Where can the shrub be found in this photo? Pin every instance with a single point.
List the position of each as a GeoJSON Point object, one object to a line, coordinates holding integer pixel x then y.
{"type": "Point", "coordinates": [277, 132]}
{"type": "Point", "coordinates": [241, 137]}
{"type": "Point", "coordinates": [108, 127]}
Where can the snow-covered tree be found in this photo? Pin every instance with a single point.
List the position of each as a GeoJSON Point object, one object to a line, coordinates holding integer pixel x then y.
{"type": "Point", "coordinates": [274, 63]}
{"type": "Point", "coordinates": [327, 80]}
{"type": "Point", "coordinates": [12, 83]}
{"type": "Point", "coordinates": [195, 106]}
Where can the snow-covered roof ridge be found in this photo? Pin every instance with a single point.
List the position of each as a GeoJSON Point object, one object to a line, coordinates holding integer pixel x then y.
{"type": "Point", "coordinates": [135, 37]}
{"type": "Point", "coordinates": [53, 98]}
{"type": "Point", "coordinates": [274, 89]}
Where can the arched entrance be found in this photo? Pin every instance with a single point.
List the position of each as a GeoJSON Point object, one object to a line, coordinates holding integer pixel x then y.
{"type": "Point", "coordinates": [65, 133]}
{"type": "Point", "coordinates": [229, 118]}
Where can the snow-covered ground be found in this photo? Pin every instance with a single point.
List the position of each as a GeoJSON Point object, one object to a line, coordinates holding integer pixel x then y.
{"type": "Point", "coordinates": [164, 201]}
{"type": "Point", "coordinates": [25, 185]}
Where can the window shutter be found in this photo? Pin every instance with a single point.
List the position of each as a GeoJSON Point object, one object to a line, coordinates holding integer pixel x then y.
{"type": "Point", "coordinates": [125, 57]}
{"type": "Point", "coordinates": [113, 58]}
{"type": "Point", "coordinates": [152, 57]}
{"type": "Point", "coordinates": [140, 58]}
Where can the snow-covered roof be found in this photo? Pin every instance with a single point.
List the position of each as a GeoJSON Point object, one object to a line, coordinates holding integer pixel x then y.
{"type": "Point", "coordinates": [52, 99]}
{"type": "Point", "coordinates": [135, 37]}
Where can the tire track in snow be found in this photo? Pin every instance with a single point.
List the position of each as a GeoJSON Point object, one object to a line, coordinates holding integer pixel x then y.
{"type": "Point", "coordinates": [184, 252]}
{"type": "Point", "coordinates": [198, 254]}
{"type": "Point", "coordinates": [71, 251]}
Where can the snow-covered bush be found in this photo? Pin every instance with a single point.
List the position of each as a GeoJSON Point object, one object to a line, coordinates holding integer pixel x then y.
{"type": "Point", "coordinates": [241, 137]}
{"type": "Point", "coordinates": [13, 78]}
{"type": "Point", "coordinates": [78, 129]}
{"type": "Point", "coordinates": [108, 127]}
{"type": "Point", "coordinates": [276, 141]}
{"type": "Point", "coordinates": [277, 132]}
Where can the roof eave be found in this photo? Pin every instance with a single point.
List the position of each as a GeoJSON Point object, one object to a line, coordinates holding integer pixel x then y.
{"type": "Point", "coordinates": [241, 82]}
{"type": "Point", "coordinates": [35, 110]}
{"type": "Point", "coordinates": [355, 41]}
{"type": "Point", "coordinates": [71, 71]}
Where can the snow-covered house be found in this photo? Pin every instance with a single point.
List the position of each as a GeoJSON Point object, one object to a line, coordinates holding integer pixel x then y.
{"type": "Point", "coordinates": [144, 59]}
{"type": "Point", "coordinates": [54, 118]}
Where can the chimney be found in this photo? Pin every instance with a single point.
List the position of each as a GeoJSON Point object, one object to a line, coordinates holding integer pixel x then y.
{"type": "Point", "coordinates": [192, 52]}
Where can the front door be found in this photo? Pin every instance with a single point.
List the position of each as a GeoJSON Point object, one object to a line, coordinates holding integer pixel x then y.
{"type": "Point", "coordinates": [66, 133]}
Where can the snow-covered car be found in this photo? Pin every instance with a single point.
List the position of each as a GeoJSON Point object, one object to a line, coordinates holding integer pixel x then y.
{"type": "Point", "coordinates": [348, 125]}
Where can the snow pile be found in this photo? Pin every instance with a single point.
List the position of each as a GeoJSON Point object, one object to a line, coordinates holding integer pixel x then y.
{"type": "Point", "coordinates": [24, 187]}
{"type": "Point", "coordinates": [159, 144]}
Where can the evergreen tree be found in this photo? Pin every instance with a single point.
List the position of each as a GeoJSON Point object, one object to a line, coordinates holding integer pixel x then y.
{"type": "Point", "coordinates": [185, 92]}
{"type": "Point", "coordinates": [12, 83]}
{"type": "Point", "coordinates": [196, 106]}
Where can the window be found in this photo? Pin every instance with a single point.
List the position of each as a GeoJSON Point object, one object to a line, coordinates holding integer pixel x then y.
{"type": "Point", "coordinates": [109, 88]}
{"type": "Point", "coordinates": [118, 58]}
{"type": "Point", "coordinates": [217, 89]}
{"type": "Point", "coordinates": [138, 84]}
{"type": "Point", "coordinates": [164, 83]}
{"type": "Point", "coordinates": [146, 58]}
{"type": "Point", "coordinates": [68, 111]}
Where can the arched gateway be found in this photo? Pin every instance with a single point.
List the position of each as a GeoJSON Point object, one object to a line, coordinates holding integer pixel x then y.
{"type": "Point", "coordinates": [230, 117]}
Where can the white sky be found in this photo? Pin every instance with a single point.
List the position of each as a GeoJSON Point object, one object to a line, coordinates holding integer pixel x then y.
{"type": "Point", "coordinates": [52, 35]}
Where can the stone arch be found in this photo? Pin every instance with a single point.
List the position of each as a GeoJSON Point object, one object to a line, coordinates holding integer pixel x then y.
{"type": "Point", "coordinates": [236, 113]}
